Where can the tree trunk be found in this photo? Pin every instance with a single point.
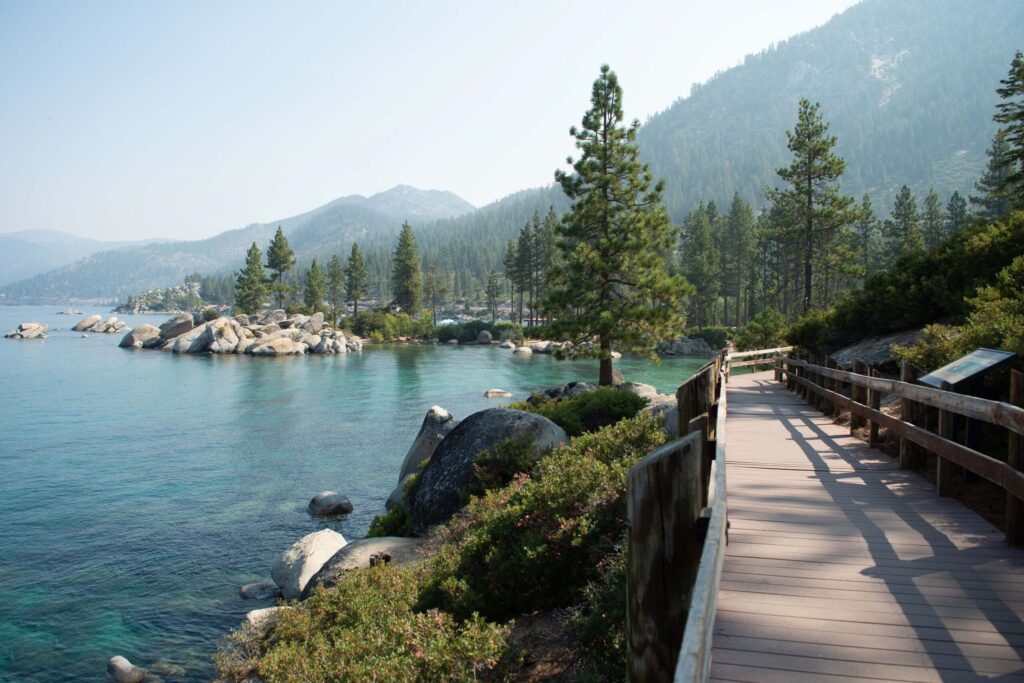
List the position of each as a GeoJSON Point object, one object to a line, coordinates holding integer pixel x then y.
{"type": "Point", "coordinates": [605, 378]}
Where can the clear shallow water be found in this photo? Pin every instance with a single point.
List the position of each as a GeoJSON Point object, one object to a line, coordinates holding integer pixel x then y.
{"type": "Point", "coordinates": [139, 489]}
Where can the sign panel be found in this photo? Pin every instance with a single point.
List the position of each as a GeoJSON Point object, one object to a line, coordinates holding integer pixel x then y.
{"type": "Point", "coordinates": [972, 366]}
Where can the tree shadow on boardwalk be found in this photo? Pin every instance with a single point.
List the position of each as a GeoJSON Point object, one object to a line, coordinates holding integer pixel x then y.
{"type": "Point", "coordinates": [976, 567]}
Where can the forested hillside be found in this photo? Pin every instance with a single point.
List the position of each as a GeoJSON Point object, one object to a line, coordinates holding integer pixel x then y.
{"type": "Point", "coordinates": [907, 86]}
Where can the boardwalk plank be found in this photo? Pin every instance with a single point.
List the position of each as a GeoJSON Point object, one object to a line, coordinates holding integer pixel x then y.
{"type": "Point", "coordinates": [843, 567]}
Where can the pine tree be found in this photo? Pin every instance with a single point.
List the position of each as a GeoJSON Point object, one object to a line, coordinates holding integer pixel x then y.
{"type": "Point", "coordinates": [701, 264]}
{"type": "Point", "coordinates": [406, 276]}
{"type": "Point", "coordinates": [511, 263]}
{"type": "Point", "coordinates": [868, 232]}
{"type": "Point", "coordinates": [316, 287]}
{"type": "Point", "coordinates": [932, 221]}
{"type": "Point", "coordinates": [493, 293]}
{"type": "Point", "coordinates": [525, 273]}
{"type": "Point", "coordinates": [739, 244]}
{"type": "Point", "coordinates": [992, 199]}
{"type": "Point", "coordinates": [812, 201]}
{"type": "Point", "coordinates": [435, 289]}
{"type": "Point", "coordinates": [280, 259]}
{"type": "Point", "coordinates": [613, 283]}
{"type": "Point", "coordinates": [356, 281]}
{"type": "Point", "coordinates": [956, 215]}
{"type": "Point", "coordinates": [335, 288]}
{"type": "Point", "coordinates": [903, 229]}
{"type": "Point", "coordinates": [1010, 113]}
{"type": "Point", "coordinates": [251, 283]}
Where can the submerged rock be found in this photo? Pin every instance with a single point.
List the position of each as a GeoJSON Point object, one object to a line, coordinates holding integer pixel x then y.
{"type": "Point", "coordinates": [359, 554]}
{"type": "Point", "coordinates": [497, 393]}
{"type": "Point", "coordinates": [327, 503]}
{"type": "Point", "coordinates": [300, 562]}
{"type": "Point", "coordinates": [122, 671]}
{"type": "Point", "coordinates": [442, 483]}
{"type": "Point", "coordinates": [260, 590]}
{"type": "Point", "coordinates": [263, 619]}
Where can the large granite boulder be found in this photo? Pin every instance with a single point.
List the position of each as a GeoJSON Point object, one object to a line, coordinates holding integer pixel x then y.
{"type": "Point", "coordinates": [315, 323]}
{"type": "Point", "coordinates": [484, 337]}
{"type": "Point", "coordinates": [177, 326]}
{"type": "Point", "coordinates": [263, 619]}
{"type": "Point", "coordinates": [28, 331]}
{"type": "Point", "coordinates": [86, 323]}
{"type": "Point", "coordinates": [436, 425]}
{"type": "Point", "coordinates": [443, 482]}
{"type": "Point", "coordinates": [298, 564]}
{"type": "Point", "coordinates": [328, 503]}
{"type": "Point", "coordinates": [639, 389]}
{"type": "Point", "coordinates": [359, 555]}
{"type": "Point", "coordinates": [193, 341]}
{"type": "Point", "coordinates": [666, 410]}
{"type": "Point", "coordinates": [276, 346]}
{"type": "Point", "coordinates": [109, 326]}
{"type": "Point", "coordinates": [139, 336]}
{"type": "Point", "coordinates": [876, 351]}
{"type": "Point", "coordinates": [275, 316]}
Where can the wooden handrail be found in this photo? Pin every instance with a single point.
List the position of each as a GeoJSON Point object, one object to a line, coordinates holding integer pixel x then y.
{"type": "Point", "coordinates": [808, 380]}
{"type": "Point", "coordinates": [677, 510]}
{"type": "Point", "coordinates": [760, 352]}
{"type": "Point", "coordinates": [994, 412]}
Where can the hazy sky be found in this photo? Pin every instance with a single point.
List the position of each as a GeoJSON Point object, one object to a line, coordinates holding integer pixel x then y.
{"type": "Point", "coordinates": [125, 120]}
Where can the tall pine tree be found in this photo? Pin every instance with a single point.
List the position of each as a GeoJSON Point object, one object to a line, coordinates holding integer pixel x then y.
{"type": "Point", "coordinates": [1010, 113]}
{"type": "Point", "coordinates": [739, 243]}
{"type": "Point", "coordinates": [992, 200]}
{"type": "Point", "coordinates": [613, 283]}
{"type": "Point", "coordinates": [357, 284]}
{"type": "Point", "coordinates": [955, 218]}
{"type": "Point", "coordinates": [316, 287]}
{"type": "Point", "coordinates": [701, 264]}
{"type": "Point", "coordinates": [251, 286]}
{"type": "Point", "coordinates": [812, 202]}
{"type": "Point", "coordinates": [406, 275]}
{"type": "Point", "coordinates": [280, 259]}
{"type": "Point", "coordinates": [335, 288]}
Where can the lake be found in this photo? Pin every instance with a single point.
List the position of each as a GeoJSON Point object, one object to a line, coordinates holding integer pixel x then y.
{"type": "Point", "coordinates": [140, 489]}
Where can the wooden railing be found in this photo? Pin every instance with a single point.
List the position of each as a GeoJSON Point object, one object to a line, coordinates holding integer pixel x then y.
{"type": "Point", "coordinates": [755, 358]}
{"type": "Point", "coordinates": [825, 387]}
{"type": "Point", "coordinates": [677, 510]}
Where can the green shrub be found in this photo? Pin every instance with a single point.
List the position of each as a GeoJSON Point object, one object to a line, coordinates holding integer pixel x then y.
{"type": "Point", "coordinates": [600, 620]}
{"type": "Point", "coordinates": [812, 331]}
{"type": "Point", "coordinates": [383, 326]}
{"type": "Point", "coordinates": [587, 412]}
{"type": "Point", "coordinates": [366, 629]}
{"type": "Point", "coordinates": [996, 320]}
{"type": "Point", "coordinates": [297, 308]}
{"type": "Point", "coordinates": [210, 314]}
{"type": "Point", "coordinates": [715, 337]}
{"type": "Point", "coordinates": [932, 287]}
{"type": "Point", "coordinates": [766, 330]}
{"type": "Point", "coordinates": [536, 543]}
{"type": "Point", "coordinates": [395, 522]}
{"type": "Point", "coordinates": [498, 465]}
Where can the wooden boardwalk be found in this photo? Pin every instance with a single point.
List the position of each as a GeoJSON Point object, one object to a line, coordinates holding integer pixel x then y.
{"type": "Point", "coordinates": [841, 566]}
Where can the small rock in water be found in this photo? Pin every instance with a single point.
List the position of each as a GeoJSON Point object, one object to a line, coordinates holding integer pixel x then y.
{"type": "Point", "coordinates": [497, 393]}
{"type": "Point", "coordinates": [122, 671]}
{"type": "Point", "coordinates": [328, 503]}
{"type": "Point", "coordinates": [262, 619]}
{"type": "Point", "coordinates": [260, 590]}
{"type": "Point", "coordinates": [168, 669]}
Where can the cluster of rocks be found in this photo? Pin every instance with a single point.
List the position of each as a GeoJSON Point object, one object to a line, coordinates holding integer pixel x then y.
{"type": "Point", "coordinates": [684, 346]}
{"type": "Point", "coordinates": [69, 311]}
{"type": "Point", "coordinates": [273, 334]}
{"type": "Point", "coordinates": [120, 670]}
{"type": "Point", "coordinates": [95, 323]}
{"type": "Point", "coordinates": [28, 331]}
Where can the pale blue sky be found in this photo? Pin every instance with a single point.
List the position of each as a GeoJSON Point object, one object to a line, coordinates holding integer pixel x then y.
{"type": "Point", "coordinates": [125, 120]}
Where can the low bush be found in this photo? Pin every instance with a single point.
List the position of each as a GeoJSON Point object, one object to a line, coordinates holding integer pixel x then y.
{"type": "Point", "coordinates": [537, 542]}
{"type": "Point", "coordinates": [498, 466]}
{"type": "Point", "coordinates": [715, 337]}
{"type": "Point", "coordinates": [384, 326]}
{"type": "Point", "coordinates": [599, 621]}
{"type": "Point", "coordinates": [587, 412]}
{"type": "Point", "coordinates": [366, 629]}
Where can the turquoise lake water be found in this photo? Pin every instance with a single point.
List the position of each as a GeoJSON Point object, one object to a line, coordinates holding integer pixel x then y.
{"type": "Point", "coordinates": [140, 489]}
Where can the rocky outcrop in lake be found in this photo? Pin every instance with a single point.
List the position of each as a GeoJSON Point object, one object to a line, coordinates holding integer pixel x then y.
{"type": "Point", "coordinates": [95, 323]}
{"type": "Point", "coordinates": [28, 331]}
{"type": "Point", "coordinates": [684, 346]}
{"type": "Point", "coordinates": [299, 563]}
{"type": "Point", "coordinates": [437, 424]}
{"type": "Point", "coordinates": [274, 334]}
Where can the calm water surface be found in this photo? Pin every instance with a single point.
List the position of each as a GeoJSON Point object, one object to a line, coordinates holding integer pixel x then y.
{"type": "Point", "coordinates": [139, 489]}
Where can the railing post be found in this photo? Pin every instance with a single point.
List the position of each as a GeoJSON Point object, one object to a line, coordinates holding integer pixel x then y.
{"type": "Point", "coordinates": [1015, 458]}
{"type": "Point", "coordinates": [943, 468]}
{"type": "Point", "coordinates": [875, 403]}
{"type": "Point", "coordinates": [857, 395]}
{"type": "Point", "coordinates": [832, 408]}
{"type": "Point", "coordinates": [909, 453]}
{"type": "Point", "coordinates": [663, 555]}
{"type": "Point", "coordinates": [777, 364]}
